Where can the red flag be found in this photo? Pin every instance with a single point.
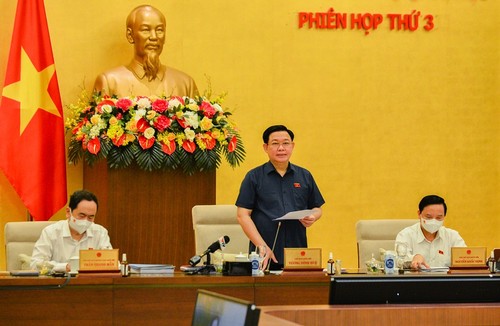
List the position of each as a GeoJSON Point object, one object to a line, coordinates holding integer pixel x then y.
{"type": "Point", "coordinates": [32, 148]}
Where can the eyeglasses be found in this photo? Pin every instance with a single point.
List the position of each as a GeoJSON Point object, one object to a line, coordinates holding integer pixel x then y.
{"type": "Point", "coordinates": [276, 145]}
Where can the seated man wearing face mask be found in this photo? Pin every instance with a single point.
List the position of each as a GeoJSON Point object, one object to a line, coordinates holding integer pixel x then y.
{"type": "Point", "coordinates": [64, 239]}
{"type": "Point", "coordinates": [429, 242]}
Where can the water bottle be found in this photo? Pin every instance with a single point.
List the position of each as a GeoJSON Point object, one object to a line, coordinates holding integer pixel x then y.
{"type": "Point", "coordinates": [254, 259]}
{"type": "Point", "coordinates": [389, 262]}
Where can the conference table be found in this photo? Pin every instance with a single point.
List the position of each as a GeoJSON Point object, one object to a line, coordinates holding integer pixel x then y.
{"type": "Point", "coordinates": [169, 300]}
{"type": "Point", "coordinates": [143, 299]}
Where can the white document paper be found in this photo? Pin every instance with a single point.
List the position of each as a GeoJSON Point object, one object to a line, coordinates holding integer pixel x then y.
{"type": "Point", "coordinates": [296, 215]}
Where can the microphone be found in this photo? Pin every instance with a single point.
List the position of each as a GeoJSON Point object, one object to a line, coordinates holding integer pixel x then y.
{"type": "Point", "coordinates": [217, 245]}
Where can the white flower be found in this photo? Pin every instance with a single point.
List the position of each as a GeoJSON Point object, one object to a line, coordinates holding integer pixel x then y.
{"type": "Point", "coordinates": [139, 114]}
{"type": "Point", "coordinates": [174, 103]}
{"type": "Point", "coordinates": [190, 134]}
{"type": "Point", "coordinates": [191, 119]}
{"type": "Point", "coordinates": [217, 107]}
{"type": "Point", "coordinates": [149, 133]}
{"type": "Point", "coordinates": [144, 103]}
{"type": "Point", "coordinates": [107, 108]}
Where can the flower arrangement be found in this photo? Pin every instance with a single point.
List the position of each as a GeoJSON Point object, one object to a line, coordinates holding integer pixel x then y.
{"type": "Point", "coordinates": [154, 132]}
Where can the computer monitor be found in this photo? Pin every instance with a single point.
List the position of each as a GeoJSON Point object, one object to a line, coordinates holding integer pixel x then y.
{"type": "Point", "coordinates": [214, 309]}
{"type": "Point", "coordinates": [414, 289]}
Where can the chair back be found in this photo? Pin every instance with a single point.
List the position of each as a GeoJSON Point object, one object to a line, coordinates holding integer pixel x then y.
{"type": "Point", "coordinates": [371, 235]}
{"type": "Point", "coordinates": [20, 238]}
{"type": "Point", "coordinates": [210, 222]}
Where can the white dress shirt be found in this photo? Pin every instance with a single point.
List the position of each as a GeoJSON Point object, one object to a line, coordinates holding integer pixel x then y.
{"type": "Point", "coordinates": [436, 253]}
{"type": "Point", "coordinates": [57, 246]}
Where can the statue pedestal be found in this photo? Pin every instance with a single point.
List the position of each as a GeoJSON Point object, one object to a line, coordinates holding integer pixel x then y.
{"type": "Point", "coordinates": [148, 214]}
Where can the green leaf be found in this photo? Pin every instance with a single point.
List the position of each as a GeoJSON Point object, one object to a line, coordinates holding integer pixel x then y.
{"type": "Point", "coordinates": [121, 157]}
{"type": "Point", "coordinates": [235, 158]}
{"type": "Point", "coordinates": [207, 160]}
{"type": "Point", "coordinates": [151, 158]}
{"type": "Point", "coordinates": [75, 151]}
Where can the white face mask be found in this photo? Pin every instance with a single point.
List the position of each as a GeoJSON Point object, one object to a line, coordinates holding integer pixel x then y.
{"type": "Point", "coordinates": [432, 225]}
{"type": "Point", "coordinates": [79, 226]}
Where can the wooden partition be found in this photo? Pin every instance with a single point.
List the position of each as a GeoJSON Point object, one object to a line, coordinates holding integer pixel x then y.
{"type": "Point", "coordinates": [388, 314]}
{"type": "Point", "coordinates": [170, 300]}
{"type": "Point", "coordinates": [148, 214]}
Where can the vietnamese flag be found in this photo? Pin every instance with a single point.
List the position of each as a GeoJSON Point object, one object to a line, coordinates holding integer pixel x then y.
{"type": "Point", "coordinates": [32, 148]}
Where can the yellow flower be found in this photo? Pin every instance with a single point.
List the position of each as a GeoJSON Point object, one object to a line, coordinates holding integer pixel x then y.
{"type": "Point", "coordinates": [150, 115]}
{"type": "Point", "coordinates": [192, 107]}
{"type": "Point", "coordinates": [131, 126]}
{"type": "Point", "coordinates": [201, 144]}
{"type": "Point", "coordinates": [128, 138]}
{"type": "Point", "coordinates": [216, 133]}
{"type": "Point", "coordinates": [171, 136]}
{"type": "Point", "coordinates": [179, 138]}
{"type": "Point", "coordinates": [190, 134]}
{"type": "Point", "coordinates": [113, 121]}
{"type": "Point", "coordinates": [95, 119]}
{"type": "Point", "coordinates": [206, 123]}
{"type": "Point", "coordinates": [115, 131]}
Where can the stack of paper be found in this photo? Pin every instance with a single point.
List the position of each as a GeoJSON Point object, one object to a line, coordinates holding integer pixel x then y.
{"type": "Point", "coordinates": [435, 269]}
{"type": "Point", "coordinates": [151, 268]}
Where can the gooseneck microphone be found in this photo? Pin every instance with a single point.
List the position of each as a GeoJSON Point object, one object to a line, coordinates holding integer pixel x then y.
{"type": "Point", "coordinates": [267, 269]}
{"type": "Point", "coordinates": [217, 245]}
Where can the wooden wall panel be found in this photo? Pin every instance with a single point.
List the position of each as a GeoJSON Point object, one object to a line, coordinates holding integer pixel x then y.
{"type": "Point", "coordinates": [148, 214]}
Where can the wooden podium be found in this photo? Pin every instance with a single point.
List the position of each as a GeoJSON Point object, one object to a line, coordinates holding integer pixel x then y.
{"type": "Point", "coordinates": [148, 214]}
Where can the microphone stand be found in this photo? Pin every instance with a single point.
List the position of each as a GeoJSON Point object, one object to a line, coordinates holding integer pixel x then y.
{"type": "Point", "coordinates": [267, 270]}
{"type": "Point", "coordinates": [207, 267]}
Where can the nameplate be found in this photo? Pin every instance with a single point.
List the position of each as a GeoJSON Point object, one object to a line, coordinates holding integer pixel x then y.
{"type": "Point", "coordinates": [468, 257]}
{"type": "Point", "coordinates": [99, 260]}
{"type": "Point", "coordinates": [302, 259]}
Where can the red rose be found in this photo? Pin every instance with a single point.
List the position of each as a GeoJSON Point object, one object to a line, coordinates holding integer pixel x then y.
{"type": "Point", "coordinates": [160, 105]}
{"type": "Point", "coordinates": [208, 109]}
{"type": "Point", "coordinates": [162, 123]}
{"type": "Point", "coordinates": [124, 104]}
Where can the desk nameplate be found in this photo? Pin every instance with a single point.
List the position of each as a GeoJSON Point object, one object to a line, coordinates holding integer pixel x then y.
{"type": "Point", "coordinates": [302, 259]}
{"type": "Point", "coordinates": [99, 260]}
{"type": "Point", "coordinates": [472, 257]}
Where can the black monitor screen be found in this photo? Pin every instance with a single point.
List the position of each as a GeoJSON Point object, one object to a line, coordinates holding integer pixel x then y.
{"type": "Point", "coordinates": [214, 309]}
{"type": "Point", "coordinates": [416, 289]}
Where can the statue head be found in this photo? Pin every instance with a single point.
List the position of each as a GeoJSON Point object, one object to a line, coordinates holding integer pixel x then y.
{"type": "Point", "coordinates": [146, 31]}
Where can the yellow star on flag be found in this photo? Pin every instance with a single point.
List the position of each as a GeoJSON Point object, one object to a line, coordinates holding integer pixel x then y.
{"type": "Point", "coordinates": [31, 91]}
